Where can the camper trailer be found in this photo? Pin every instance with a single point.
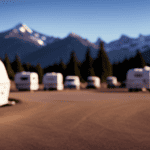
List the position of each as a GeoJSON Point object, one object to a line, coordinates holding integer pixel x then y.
{"type": "Point", "coordinates": [111, 81]}
{"type": "Point", "coordinates": [72, 82]}
{"type": "Point", "coordinates": [4, 85]}
{"type": "Point", "coordinates": [53, 80]}
{"type": "Point", "coordinates": [93, 82]}
{"type": "Point", "coordinates": [27, 81]}
{"type": "Point", "coordinates": [138, 78]}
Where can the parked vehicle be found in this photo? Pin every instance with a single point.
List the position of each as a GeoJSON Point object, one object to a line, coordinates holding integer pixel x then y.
{"type": "Point", "coordinates": [111, 81]}
{"type": "Point", "coordinates": [53, 80]}
{"type": "Point", "coordinates": [93, 82]}
{"type": "Point", "coordinates": [138, 78]}
{"type": "Point", "coordinates": [27, 81]}
{"type": "Point", "coordinates": [4, 85]}
{"type": "Point", "coordinates": [72, 82]}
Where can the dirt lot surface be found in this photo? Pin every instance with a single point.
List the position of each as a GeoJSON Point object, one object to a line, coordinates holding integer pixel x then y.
{"type": "Point", "coordinates": [76, 120]}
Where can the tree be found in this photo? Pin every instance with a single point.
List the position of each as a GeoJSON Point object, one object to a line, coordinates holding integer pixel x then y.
{"type": "Point", "coordinates": [102, 65]}
{"type": "Point", "coordinates": [39, 70]}
{"type": "Point", "coordinates": [55, 68]}
{"type": "Point", "coordinates": [87, 66]}
{"type": "Point", "coordinates": [124, 67]}
{"type": "Point", "coordinates": [9, 69]}
{"type": "Point", "coordinates": [27, 66]}
{"type": "Point", "coordinates": [16, 65]}
{"type": "Point", "coordinates": [62, 68]}
{"type": "Point", "coordinates": [140, 62]}
{"type": "Point", "coordinates": [72, 66]}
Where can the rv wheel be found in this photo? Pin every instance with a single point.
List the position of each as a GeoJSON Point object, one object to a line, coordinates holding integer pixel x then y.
{"type": "Point", "coordinates": [108, 86]}
{"type": "Point", "coordinates": [130, 90]}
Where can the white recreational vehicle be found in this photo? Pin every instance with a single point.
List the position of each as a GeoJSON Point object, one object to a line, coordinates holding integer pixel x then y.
{"type": "Point", "coordinates": [93, 82]}
{"type": "Point", "coordinates": [27, 81]}
{"type": "Point", "coordinates": [53, 80]}
{"type": "Point", "coordinates": [72, 82]}
{"type": "Point", "coordinates": [4, 85]}
{"type": "Point", "coordinates": [138, 78]}
{"type": "Point", "coordinates": [111, 81]}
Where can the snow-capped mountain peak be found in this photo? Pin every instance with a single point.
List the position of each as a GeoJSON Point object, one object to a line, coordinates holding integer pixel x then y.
{"type": "Point", "coordinates": [22, 31]}
{"type": "Point", "coordinates": [23, 28]}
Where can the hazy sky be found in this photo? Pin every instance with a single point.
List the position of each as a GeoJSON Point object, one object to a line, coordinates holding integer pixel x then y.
{"type": "Point", "coordinates": [107, 19]}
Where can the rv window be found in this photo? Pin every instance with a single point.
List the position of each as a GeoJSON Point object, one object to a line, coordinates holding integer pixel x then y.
{"type": "Point", "coordinates": [109, 80]}
{"type": "Point", "coordinates": [69, 79]}
{"type": "Point", "coordinates": [24, 78]}
{"type": "Point", "coordinates": [138, 75]}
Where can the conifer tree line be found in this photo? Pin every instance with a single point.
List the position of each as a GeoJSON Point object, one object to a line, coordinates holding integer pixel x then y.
{"type": "Point", "coordinates": [99, 66]}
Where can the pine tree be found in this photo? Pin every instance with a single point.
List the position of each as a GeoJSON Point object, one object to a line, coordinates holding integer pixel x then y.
{"type": "Point", "coordinates": [123, 69]}
{"type": "Point", "coordinates": [87, 66]}
{"type": "Point", "coordinates": [102, 65]}
{"type": "Point", "coordinates": [28, 65]}
{"type": "Point", "coordinates": [9, 69]}
{"type": "Point", "coordinates": [132, 63]}
{"type": "Point", "coordinates": [55, 67]}
{"type": "Point", "coordinates": [16, 65]}
{"type": "Point", "coordinates": [72, 66]}
{"type": "Point", "coordinates": [140, 62]}
{"type": "Point", "coordinates": [39, 70]}
{"type": "Point", "coordinates": [62, 68]}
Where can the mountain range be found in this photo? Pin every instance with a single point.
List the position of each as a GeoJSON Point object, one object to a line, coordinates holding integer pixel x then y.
{"type": "Point", "coordinates": [35, 47]}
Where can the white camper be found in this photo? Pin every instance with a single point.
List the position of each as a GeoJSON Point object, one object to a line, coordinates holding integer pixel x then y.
{"type": "Point", "coordinates": [111, 81]}
{"type": "Point", "coordinates": [27, 81]}
{"type": "Point", "coordinates": [53, 80]}
{"type": "Point", "coordinates": [4, 85]}
{"type": "Point", "coordinates": [72, 82]}
{"type": "Point", "coordinates": [93, 82]}
{"type": "Point", "coordinates": [138, 78]}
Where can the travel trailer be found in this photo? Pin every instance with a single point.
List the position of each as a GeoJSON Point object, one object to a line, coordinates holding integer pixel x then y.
{"type": "Point", "coordinates": [72, 82]}
{"type": "Point", "coordinates": [111, 81]}
{"type": "Point", "coordinates": [4, 85]}
{"type": "Point", "coordinates": [138, 78]}
{"type": "Point", "coordinates": [27, 80]}
{"type": "Point", "coordinates": [93, 82]}
{"type": "Point", "coordinates": [53, 80]}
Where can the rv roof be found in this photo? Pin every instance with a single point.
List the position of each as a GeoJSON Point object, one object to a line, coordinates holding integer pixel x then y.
{"type": "Point", "coordinates": [71, 77]}
{"type": "Point", "coordinates": [51, 73]}
{"type": "Point", "coordinates": [92, 77]}
{"type": "Point", "coordinates": [110, 77]}
{"type": "Point", "coordinates": [138, 69]}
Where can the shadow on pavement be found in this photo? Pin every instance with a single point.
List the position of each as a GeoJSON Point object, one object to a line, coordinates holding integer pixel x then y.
{"type": "Point", "coordinates": [11, 100]}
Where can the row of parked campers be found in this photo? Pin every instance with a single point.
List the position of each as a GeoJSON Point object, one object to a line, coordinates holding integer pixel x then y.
{"type": "Point", "coordinates": [29, 81]}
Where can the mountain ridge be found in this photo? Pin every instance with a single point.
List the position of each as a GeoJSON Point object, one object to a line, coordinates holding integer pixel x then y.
{"type": "Point", "coordinates": [56, 48]}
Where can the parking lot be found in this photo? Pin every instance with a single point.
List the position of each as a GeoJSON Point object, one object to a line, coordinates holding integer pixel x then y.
{"type": "Point", "coordinates": [71, 119]}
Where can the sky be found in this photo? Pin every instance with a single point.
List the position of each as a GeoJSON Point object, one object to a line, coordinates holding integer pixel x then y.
{"type": "Point", "coordinates": [90, 19]}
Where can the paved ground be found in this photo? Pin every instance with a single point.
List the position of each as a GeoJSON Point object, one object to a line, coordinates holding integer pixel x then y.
{"type": "Point", "coordinates": [76, 120]}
